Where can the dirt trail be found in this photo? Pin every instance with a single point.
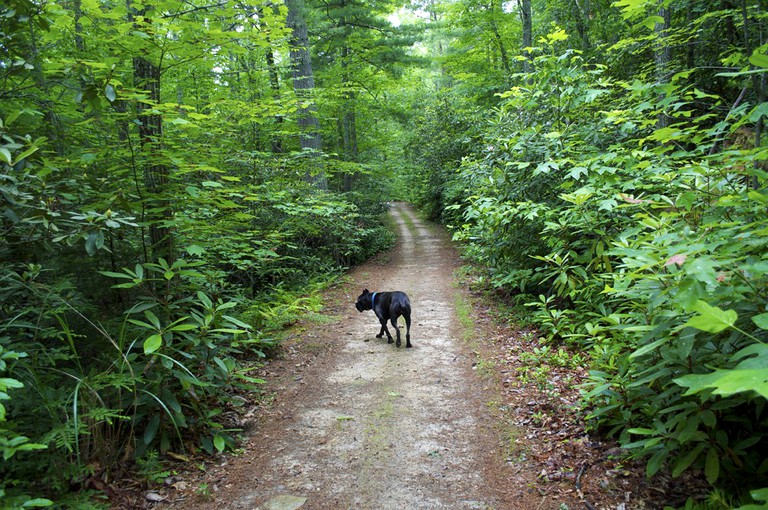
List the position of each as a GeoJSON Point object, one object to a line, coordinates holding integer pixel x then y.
{"type": "Point", "coordinates": [366, 425]}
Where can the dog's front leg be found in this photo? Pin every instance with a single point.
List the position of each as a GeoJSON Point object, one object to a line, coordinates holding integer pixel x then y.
{"type": "Point", "coordinates": [385, 330]}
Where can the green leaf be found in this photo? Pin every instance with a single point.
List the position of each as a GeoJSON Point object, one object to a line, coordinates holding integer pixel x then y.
{"type": "Point", "coordinates": [109, 93]}
{"type": "Point", "coordinates": [237, 322]}
{"type": "Point", "coordinates": [5, 155]}
{"type": "Point", "coordinates": [557, 35]}
{"type": "Point", "coordinates": [758, 197]}
{"type": "Point", "coordinates": [180, 122]}
{"type": "Point", "coordinates": [112, 274]}
{"type": "Point", "coordinates": [219, 442]}
{"type": "Point", "coordinates": [37, 503]}
{"type": "Point", "coordinates": [642, 431]}
{"type": "Point", "coordinates": [656, 462]}
{"type": "Point", "coordinates": [6, 382]}
{"type": "Point", "coordinates": [195, 249]}
{"type": "Point", "coordinates": [153, 319]}
{"type": "Point", "coordinates": [727, 382]}
{"type": "Point", "coordinates": [651, 21]}
{"type": "Point", "coordinates": [757, 495]}
{"type": "Point", "coordinates": [685, 462]}
{"type": "Point", "coordinates": [711, 319]}
{"type": "Point", "coordinates": [27, 153]}
{"type": "Point", "coordinates": [712, 466]}
{"type": "Point", "coordinates": [205, 299]}
{"type": "Point", "coordinates": [759, 60]}
{"type": "Point", "coordinates": [183, 327]}
{"type": "Point", "coordinates": [153, 343]}
{"type": "Point", "coordinates": [630, 8]}
{"type": "Point", "coordinates": [152, 428]}
{"type": "Point", "coordinates": [761, 321]}
{"type": "Point", "coordinates": [648, 348]}
{"type": "Point", "coordinates": [221, 364]}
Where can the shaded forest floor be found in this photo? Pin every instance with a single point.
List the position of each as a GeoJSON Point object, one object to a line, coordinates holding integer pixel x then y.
{"type": "Point", "coordinates": [470, 418]}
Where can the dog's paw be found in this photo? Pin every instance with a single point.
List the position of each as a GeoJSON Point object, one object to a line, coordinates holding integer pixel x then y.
{"type": "Point", "coordinates": [390, 341]}
{"type": "Point", "coordinates": [379, 336]}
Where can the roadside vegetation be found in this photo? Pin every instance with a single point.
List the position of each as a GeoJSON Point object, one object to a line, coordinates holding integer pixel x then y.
{"type": "Point", "coordinates": [626, 212]}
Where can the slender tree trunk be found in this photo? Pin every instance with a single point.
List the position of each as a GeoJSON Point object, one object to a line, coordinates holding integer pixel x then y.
{"type": "Point", "coordinates": [274, 81]}
{"type": "Point", "coordinates": [274, 84]}
{"type": "Point", "coordinates": [525, 16]}
{"type": "Point", "coordinates": [582, 16]}
{"type": "Point", "coordinates": [157, 207]}
{"type": "Point", "coordinates": [348, 118]}
{"type": "Point", "coordinates": [434, 18]}
{"type": "Point", "coordinates": [78, 12]}
{"type": "Point", "coordinates": [758, 83]}
{"type": "Point", "coordinates": [304, 84]}
{"type": "Point", "coordinates": [146, 77]}
{"type": "Point", "coordinates": [662, 56]}
{"type": "Point", "coordinates": [690, 51]}
{"type": "Point", "coordinates": [496, 9]}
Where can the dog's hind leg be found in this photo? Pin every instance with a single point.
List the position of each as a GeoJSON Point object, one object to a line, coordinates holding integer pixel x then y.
{"type": "Point", "coordinates": [394, 325]}
{"type": "Point", "coordinates": [407, 317]}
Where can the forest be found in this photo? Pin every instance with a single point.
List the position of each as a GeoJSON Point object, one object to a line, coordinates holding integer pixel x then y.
{"type": "Point", "coordinates": [180, 177]}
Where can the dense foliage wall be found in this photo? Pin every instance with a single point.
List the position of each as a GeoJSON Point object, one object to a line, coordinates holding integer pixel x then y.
{"type": "Point", "coordinates": [160, 222]}
{"type": "Point", "coordinates": [612, 179]}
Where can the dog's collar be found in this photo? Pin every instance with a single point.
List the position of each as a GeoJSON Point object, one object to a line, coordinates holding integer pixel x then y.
{"type": "Point", "coordinates": [373, 296]}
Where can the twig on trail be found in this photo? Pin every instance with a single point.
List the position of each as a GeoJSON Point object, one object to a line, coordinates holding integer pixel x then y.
{"type": "Point", "coordinates": [578, 477]}
{"type": "Point", "coordinates": [578, 487]}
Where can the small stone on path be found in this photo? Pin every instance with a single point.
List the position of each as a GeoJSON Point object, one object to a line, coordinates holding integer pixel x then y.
{"type": "Point", "coordinates": [285, 502]}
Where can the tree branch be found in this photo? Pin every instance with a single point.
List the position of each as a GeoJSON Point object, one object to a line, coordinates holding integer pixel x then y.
{"type": "Point", "coordinates": [194, 9]}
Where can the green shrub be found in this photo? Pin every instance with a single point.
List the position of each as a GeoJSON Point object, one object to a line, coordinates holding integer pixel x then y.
{"type": "Point", "coordinates": [645, 244]}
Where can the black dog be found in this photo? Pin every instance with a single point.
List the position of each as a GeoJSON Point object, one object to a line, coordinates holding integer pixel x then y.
{"type": "Point", "coordinates": [388, 306]}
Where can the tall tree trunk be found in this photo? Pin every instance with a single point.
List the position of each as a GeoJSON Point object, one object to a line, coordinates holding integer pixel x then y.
{"type": "Point", "coordinates": [303, 85]}
{"type": "Point", "coordinates": [496, 9]}
{"type": "Point", "coordinates": [78, 12]}
{"type": "Point", "coordinates": [146, 77]}
{"type": "Point", "coordinates": [274, 84]}
{"type": "Point", "coordinates": [758, 83]}
{"type": "Point", "coordinates": [582, 16]}
{"type": "Point", "coordinates": [435, 18]}
{"type": "Point", "coordinates": [662, 56]}
{"type": "Point", "coordinates": [156, 207]}
{"type": "Point", "coordinates": [348, 118]}
{"type": "Point", "coordinates": [274, 79]}
{"type": "Point", "coordinates": [525, 16]}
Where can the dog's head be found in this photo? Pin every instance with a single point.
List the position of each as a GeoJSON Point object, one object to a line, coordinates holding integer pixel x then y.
{"type": "Point", "coordinates": [363, 301]}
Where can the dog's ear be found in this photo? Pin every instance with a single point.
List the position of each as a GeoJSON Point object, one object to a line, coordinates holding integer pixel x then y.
{"type": "Point", "coordinates": [366, 291]}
